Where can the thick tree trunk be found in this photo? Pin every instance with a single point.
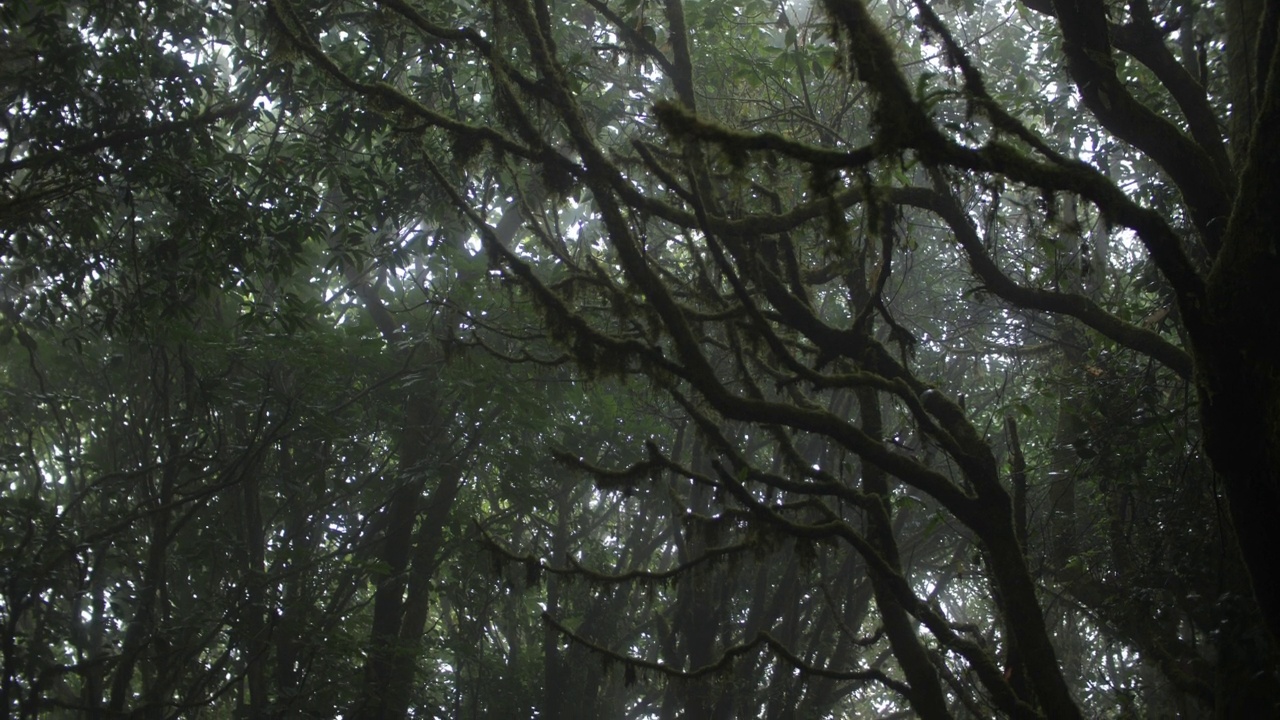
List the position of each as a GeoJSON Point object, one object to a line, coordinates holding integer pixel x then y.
{"type": "Point", "coordinates": [698, 608]}
{"type": "Point", "coordinates": [1238, 354]}
{"type": "Point", "coordinates": [392, 651]}
{"type": "Point", "coordinates": [1241, 407]}
{"type": "Point", "coordinates": [141, 630]}
{"type": "Point", "coordinates": [427, 544]}
{"type": "Point", "coordinates": [1243, 64]}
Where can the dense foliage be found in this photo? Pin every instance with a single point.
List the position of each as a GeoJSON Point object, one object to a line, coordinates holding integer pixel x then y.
{"type": "Point", "coordinates": [639, 359]}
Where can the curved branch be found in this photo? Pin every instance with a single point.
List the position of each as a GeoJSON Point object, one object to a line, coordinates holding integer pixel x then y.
{"type": "Point", "coordinates": [944, 205]}
{"type": "Point", "coordinates": [535, 565]}
{"type": "Point", "coordinates": [123, 137]}
{"type": "Point", "coordinates": [1144, 41]}
{"type": "Point", "coordinates": [1091, 65]}
{"type": "Point", "coordinates": [683, 123]}
{"type": "Point", "coordinates": [1161, 242]}
{"type": "Point", "coordinates": [381, 94]}
{"type": "Point", "coordinates": [728, 656]}
{"type": "Point", "coordinates": [981, 662]}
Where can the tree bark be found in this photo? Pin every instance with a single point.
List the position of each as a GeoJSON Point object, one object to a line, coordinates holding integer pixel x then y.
{"type": "Point", "coordinates": [1237, 356]}
{"type": "Point", "coordinates": [926, 697]}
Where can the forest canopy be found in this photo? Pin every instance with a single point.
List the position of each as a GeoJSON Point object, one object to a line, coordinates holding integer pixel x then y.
{"type": "Point", "coordinates": [639, 359]}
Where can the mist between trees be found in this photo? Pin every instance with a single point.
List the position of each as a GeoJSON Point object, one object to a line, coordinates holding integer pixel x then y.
{"type": "Point", "coordinates": [639, 359]}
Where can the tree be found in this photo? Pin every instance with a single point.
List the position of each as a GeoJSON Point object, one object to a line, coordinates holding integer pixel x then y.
{"type": "Point", "coordinates": [842, 260]}
{"type": "Point", "coordinates": [715, 280]}
{"type": "Point", "coordinates": [214, 466]}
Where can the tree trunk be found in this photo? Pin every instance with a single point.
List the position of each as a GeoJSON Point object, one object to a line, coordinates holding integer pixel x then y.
{"type": "Point", "coordinates": [926, 697]}
{"type": "Point", "coordinates": [1237, 355]}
